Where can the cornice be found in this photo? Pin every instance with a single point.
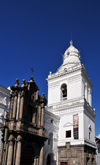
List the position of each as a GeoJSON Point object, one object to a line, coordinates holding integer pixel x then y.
{"type": "Point", "coordinates": [53, 127]}
{"type": "Point", "coordinates": [4, 91]}
{"type": "Point", "coordinates": [89, 109]}
{"type": "Point", "coordinates": [67, 103]}
{"type": "Point", "coordinates": [71, 70]}
{"type": "Point", "coordinates": [69, 111]}
{"type": "Point", "coordinates": [85, 74]}
{"type": "Point", "coordinates": [50, 114]}
{"type": "Point", "coordinates": [90, 142]}
{"type": "Point", "coordinates": [78, 105]}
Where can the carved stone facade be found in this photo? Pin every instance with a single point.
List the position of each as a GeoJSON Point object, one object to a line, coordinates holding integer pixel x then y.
{"type": "Point", "coordinates": [23, 132]}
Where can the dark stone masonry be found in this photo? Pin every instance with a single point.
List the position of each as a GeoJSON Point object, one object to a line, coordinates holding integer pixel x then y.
{"type": "Point", "coordinates": [76, 155]}
{"type": "Point", "coordinates": [23, 132]}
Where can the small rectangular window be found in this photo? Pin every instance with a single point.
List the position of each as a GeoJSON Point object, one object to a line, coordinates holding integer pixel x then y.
{"type": "Point", "coordinates": [68, 134]}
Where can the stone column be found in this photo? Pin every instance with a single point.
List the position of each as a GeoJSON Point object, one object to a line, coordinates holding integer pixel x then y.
{"type": "Point", "coordinates": [1, 154]}
{"type": "Point", "coordinates": [89, 93]}
{"type": "Point", "coordinates": [18, 152]}
{"type": "Point", "coordinates": [86, 92]}
{"type": "Point", "coordinates": [41, 157]}
{"type": "Point", "coordinates": [6, 154]}
{"type": "Point", "coordinates": [42, 115]}
{"type": "Point", "coordinates": [15, 106]}
{"type": "Point", "coordinates": [36, 161]}
{"type": "Point", "coordinates": [11, 107]}
{"type": "Point", "coordinates": [10, 150]}
{"type": "Point", "coordinates": [39, 117]}
{"type": "Point", "coordinates": [21, 105]}
{"type": "Point", "coordinates": [83, 88]}
{"type": "Point", "coordinates": [34, 119]}
{"type": "Point", "coordinates": [18, 107]}
{"type": "Point", "coordinates": [14, 155]}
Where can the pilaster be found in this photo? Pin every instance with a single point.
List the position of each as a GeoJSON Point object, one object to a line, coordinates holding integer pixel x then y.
{"type": "Point", "coordinates": [18, 152]}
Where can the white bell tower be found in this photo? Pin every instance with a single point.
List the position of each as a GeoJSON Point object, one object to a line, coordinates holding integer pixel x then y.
{"type": "Point", "coordinates": [69, 97]}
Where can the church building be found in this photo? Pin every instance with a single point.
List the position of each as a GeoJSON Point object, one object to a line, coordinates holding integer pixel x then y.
{"type": "Point", "coordinates": [66, 126]}
{"type": "Point", "coordinates": [69, 118]}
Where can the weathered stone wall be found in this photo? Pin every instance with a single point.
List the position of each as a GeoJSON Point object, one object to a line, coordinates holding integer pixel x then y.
{"type": "Point", "coordinates": [76, 155]}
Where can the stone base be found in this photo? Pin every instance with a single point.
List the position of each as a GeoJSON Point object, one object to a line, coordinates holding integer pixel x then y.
{"type": "Point", "coordinates": [76, 155]}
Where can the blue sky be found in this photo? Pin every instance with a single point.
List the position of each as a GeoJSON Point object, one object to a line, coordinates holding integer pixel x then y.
{"type": "Point", "coordinates": [34, 33]}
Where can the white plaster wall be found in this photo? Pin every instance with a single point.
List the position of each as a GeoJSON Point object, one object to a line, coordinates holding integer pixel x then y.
{"type": "Point", "coordinates": [86, 90]}
{"type": "Point", "coordinates": [74, 90]}
{"type": "Point", "coordinates": [53, 95]}
{"type": "Point", "coordinates": [51, 128]}
{"type": "Point", "coordinates": [81, 125]}
{"type": "Point", "coordinates": [74, 87]}
{"type": "Point", "coordinates": [66, 123]}
{"type": "Point", "coordinates": [87, 123]}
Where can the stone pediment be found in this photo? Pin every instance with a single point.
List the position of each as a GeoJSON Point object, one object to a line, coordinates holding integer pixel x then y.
{"type": "Point", "coordinates": [68, 124]}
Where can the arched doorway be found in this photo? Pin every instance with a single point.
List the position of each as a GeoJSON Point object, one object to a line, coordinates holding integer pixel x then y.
{"type": "Point", "coordinates": [27, 157]}
{"type": "Point", "coordinates": [48, 160]}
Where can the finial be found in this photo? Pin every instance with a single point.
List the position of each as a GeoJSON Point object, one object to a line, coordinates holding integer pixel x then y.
{"type": "Point", "coordinates": [17, 82]}
{"type": "Point", "coordinates": [31, 79]}
{"type": "Point", "coordinates": [71, 43]}
{"type": "Point", "coordinates": [50, 72]}
{"type": "Point", "coordinates": [23, 82]}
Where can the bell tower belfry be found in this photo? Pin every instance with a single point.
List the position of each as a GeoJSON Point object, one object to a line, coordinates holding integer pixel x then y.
{"type": "Point", "coordinates": [69, 97]}
{"type": "Point", "coordinates": [23, 131]}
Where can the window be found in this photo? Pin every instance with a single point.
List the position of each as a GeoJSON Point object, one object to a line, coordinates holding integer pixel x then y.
{"type": "Point", "coordinates": [64, 91]}
{"type": "Point", "coordinates": [52, 121]}
{"type": "Point", "coordinates": [68, 134]}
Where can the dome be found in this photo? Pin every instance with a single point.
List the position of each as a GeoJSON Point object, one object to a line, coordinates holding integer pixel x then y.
{"type": "Point", "coordinates": [71, 55]}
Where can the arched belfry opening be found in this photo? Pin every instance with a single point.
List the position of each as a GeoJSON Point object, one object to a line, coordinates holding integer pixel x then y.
{"type": "Point", "coordinates": [64, 91]}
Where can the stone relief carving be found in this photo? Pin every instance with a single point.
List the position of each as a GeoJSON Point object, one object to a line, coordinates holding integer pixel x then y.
{"type": "Point", "coordinates": [1, 119]}
{"type": "Point", "coordinates": [3, 101]}
{"type": "Point", "coordinates": [67, 124]}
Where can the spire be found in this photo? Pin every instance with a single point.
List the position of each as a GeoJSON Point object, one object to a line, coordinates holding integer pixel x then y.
{"type": "Point", "coordinates": [71, 43]}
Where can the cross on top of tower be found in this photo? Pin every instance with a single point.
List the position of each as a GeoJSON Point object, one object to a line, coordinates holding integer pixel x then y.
{"type": "Point", "coordinates": [32, 70]}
